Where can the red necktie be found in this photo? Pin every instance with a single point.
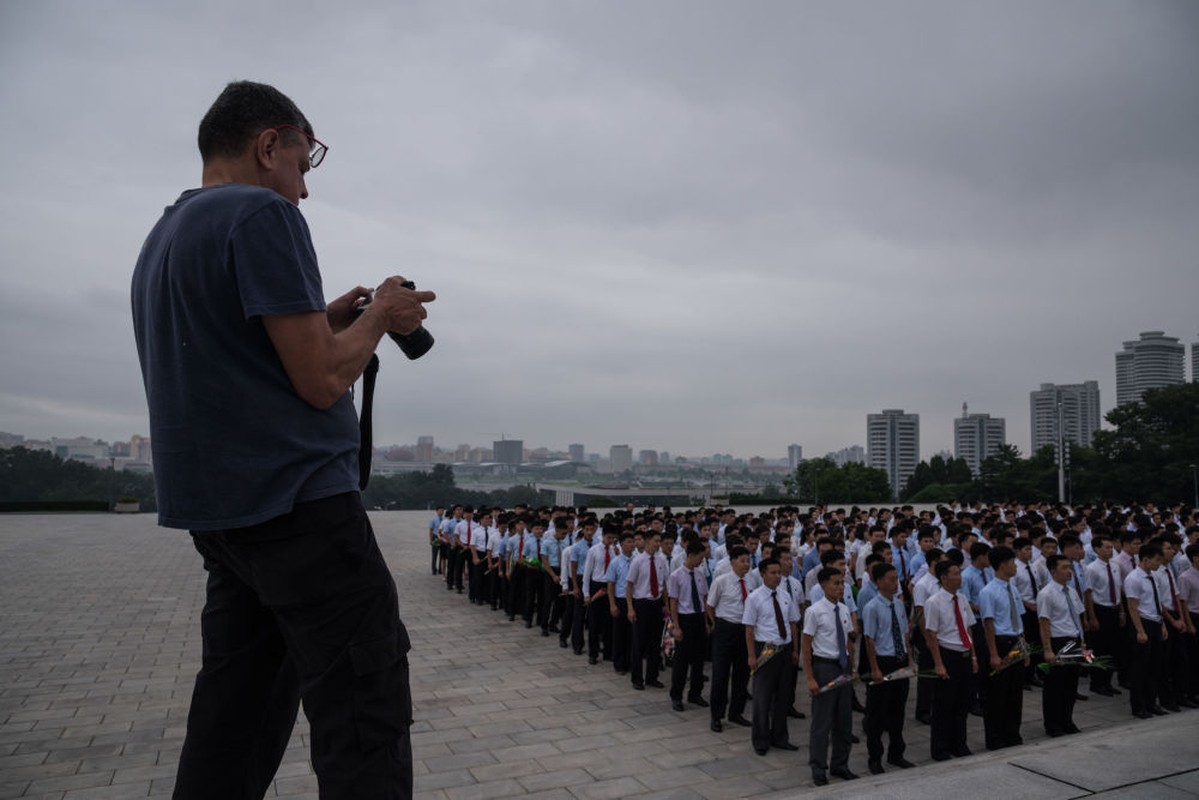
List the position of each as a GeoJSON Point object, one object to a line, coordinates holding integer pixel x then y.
{"type": "Point", "coordinates": [743, 595]}
{"type": "Point", "coordinates": [957, 613]}
{"type": "Point", "coordinates": [653, 577]}
{"type": "Point", "coordinates": [607, 559]}
{"type": "Point", "coordinates": [468, 533]}
{"type": "Point", "coordinates": [1111, 583]}
{"type": "Point", "coordinates": [521, 550]}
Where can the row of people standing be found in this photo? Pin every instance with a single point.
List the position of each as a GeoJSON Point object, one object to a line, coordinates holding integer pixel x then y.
{"type": "Point", "coordinates": [606, 588]}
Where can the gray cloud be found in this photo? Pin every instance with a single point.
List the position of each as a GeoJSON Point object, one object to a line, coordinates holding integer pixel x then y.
{"type": "Point", "coordinates": [690, 226]}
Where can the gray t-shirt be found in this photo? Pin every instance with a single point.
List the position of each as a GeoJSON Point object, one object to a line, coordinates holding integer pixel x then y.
{"type": "Point", "coordinates": [233, 444]}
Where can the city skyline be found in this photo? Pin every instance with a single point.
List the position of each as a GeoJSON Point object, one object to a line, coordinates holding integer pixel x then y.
{"type": "Point", "coordinates": [750, 228]}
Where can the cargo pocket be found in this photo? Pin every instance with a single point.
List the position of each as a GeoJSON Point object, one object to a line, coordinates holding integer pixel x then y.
{"type": "Point", "coordinates": [382, 696]}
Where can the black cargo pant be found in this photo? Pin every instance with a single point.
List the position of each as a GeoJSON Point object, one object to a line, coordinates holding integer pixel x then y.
{"type": "Point", "coordinates": [301, 607]}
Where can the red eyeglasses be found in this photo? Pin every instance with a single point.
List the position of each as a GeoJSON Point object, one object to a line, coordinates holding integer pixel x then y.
{"type": "Point", "coordinates": [316, 148]}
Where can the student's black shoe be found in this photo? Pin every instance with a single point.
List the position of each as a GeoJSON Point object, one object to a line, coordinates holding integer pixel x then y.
{"type": "Point", "coordinates": [578, 651]}
{"type": "Point", "coordinates": [902, 763]}
{"type": "Point", "coordinates": [1142, 715]}
{"type": "Point", "coordinates": [562, 643]}
{"type": "Point", "coordinates": [853, 738]}
{"type": "Point", "coordinates": [819, 780]}
{"type": "Point", "coordinates": [639, 686]}
{"type": "Point", "coordinates": [843, 774]}
{"type": "Point", "coordinates": [716, 726]}
{"type": "Point", "coordinates": [1104, 692]}
{"type": "Point", "coordinates": [657, 684]}
{"type": "Point", "coordinates": [677, 705]}
{"type": "Point", "coordinates": [698, 701]}
{"type": "Point", "coordinates": [1072, 728]}
{"type": "Point", "coordinates": [857, 705]}
{"type": "Point", "coordinates": [762, 751]}
{"type": "Point", "coordinates": [740, 720]}
{"type": "Point", "coordinates": [875, 766]}
{"type": "Point", "coordinates": [784, 746]}
{"type": "Point", "coordinates": [1173, 709]}
{"type": "Point", "coordinates": [1081, 696]}
{"type": "Point", "coordinates": [592, 660]}
{"type": "Point", "coordinates": [794, 714]}
{"type": "Point", "coordinates": [962, 752]}
{"type": "Point", "coordinates": [941, 756]}
{"type": "Point", "coordinates": [924, 718]}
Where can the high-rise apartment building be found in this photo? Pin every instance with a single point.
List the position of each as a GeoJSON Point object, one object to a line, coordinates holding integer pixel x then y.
{"type": "Point", "coordinates": [1195, 362]}
{"type": "Point", "coordinates": [621, 458]}
{"type": "Point", "coordinates": [424, 449]}
{"type": "Point", "coordinates": [893, 444]}
{"type": "Point", "coordinates": [854, 454]}
{"type": "Point", "coordinates": [977, 437]}
{"type": "Point", "coordinates": [1079, 413]}
{"type": "Point", "coordinates": [647, 458]}
{"type": "Point", "coordinates": [1151, 362]}
{"type": "Point", "coordinates": [577, 453]}
{"type": "Point", "coordinates": [794, 455]}
{"type": "Point", "coordinates": [509, 451]}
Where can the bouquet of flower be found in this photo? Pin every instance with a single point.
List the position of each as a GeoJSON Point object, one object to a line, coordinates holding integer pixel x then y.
{"type": "Point", "coordinates": [837, 683]}
{"type": "Point", "coordinates": [533, 561]}
{"type": "Point", "coordinates": [1017, 654]}
{"type": "Point", "coordinates": [668, 643]}
{"type": "Point", "coordinates": [901, 674]}
{"type": "Point", "coordinates": [1072, 654]}
{"type": "Point", "coordinates": [768, 651]}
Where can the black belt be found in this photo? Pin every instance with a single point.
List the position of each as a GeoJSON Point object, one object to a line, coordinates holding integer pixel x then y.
{"type": "Point", "coordinates": [833, 661]}
{"type": "Point", "coordinates": [946, 651]}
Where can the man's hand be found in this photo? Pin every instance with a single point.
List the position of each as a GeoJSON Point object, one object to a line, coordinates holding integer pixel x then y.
{"type": "Point", "coordinates": [813, 687]}
{"type": "Point", "coordinates": [677, 633]}
{"type": "Point", "coordinates": [344, 310]}
{"type": "Point", "coordinates": [402, 308]}
{"type": "Point", "coordinates": [876, 675]}
{"type": "Point", "coordinates": [631, 614]}
{"type": "Point", "coordinates": [995, 662]}
{"type": "Point", "coordinates": [942, 673]}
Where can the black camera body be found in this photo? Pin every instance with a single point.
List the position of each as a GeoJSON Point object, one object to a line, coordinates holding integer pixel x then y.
{"type": "Point", "coordinates": [414, 344]}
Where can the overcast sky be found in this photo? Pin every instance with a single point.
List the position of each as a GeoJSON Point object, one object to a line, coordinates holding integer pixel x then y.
{"type": "Point", "coordinates": [688, 226]}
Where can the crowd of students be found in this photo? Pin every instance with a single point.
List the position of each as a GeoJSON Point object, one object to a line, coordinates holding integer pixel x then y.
{"type": "Point", "coordinates": [971, 606]}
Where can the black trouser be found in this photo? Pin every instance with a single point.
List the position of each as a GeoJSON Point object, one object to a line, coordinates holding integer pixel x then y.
{"type": "Point", "coordinates": [1061, 686]}
{"type": "Point", "coordinates": [728, 656]}
{"type": "Point", "coordinates": [1176, 668]}
{"type": "Point", "coordinates": [516, 589]}
{"type": "Point", "coordinates": [1192, 643]}
{"type": "Point", "coordinates": [534, 588]}
{"type": "Point", "coordinates": [646, 646]}
{"type": "Point", "coordinates": [832, 718]}
{"type": "Point", "coordinates": [885, 706]}
{"type": "Point", "coordinates": [951, 704]}
{"type": "Point", "coordinates": [1145, 666]}
{"type": "Point", "coordinates": [770, 697]}
{"type": "Point", "coordinates": [578, 623]}
{"type": "Point", "coordinates": [1004, 704]}
{"type": "Point", "coordinates": [689, 656]}
{"type": "Point", "coordinates": [978, 680]}
{"type": "Point", "coordinates": [435, 547]}
{"type": "Point", "coordinates": [924, 686]}
{"type": "Point", "coordinates": [476, 589]}
{"type": "Point", "coordinates": [621, 633]}
{"type": "Point", "coordinates": [551, 590]}
{"type": "Point", "coordinates": [567, 599]}
{"type": "Point", "coordinates": [1107, 641]}
{"type": "Point", "coordinates": [459, 560]}
{"type": "Point", "coordinates": [599, 626]}
{"type": "Point", "coordinates": [302, 606]}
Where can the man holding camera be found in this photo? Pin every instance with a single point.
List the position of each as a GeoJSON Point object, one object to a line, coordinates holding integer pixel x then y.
{"type": "Point", "coordinates": [255, 447]}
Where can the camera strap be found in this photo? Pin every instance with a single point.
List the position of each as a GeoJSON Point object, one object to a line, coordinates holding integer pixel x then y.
{"type": "Point", "coordinates": [365, 443]}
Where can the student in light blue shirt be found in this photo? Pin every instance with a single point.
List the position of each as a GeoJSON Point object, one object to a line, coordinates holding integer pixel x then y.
{"type": "Point", "coordinates": [1002, 613]}
{"type": "Point", "coordinates": [617, 579]}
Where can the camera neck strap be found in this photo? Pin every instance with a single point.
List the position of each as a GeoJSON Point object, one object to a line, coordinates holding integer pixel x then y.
{"type": "Point", "coordinates": [365, 443]}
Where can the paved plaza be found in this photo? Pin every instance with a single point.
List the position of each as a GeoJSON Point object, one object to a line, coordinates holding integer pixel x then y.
{"type": "Point", "coordinates": [100, 640]}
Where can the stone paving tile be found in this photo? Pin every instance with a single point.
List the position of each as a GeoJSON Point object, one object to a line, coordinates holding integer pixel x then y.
{"type": "Point", "coordinates": [99, 643]}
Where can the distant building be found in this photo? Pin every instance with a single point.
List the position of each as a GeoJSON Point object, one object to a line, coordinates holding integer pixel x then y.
{"type": "Point", "coordinates": [854, 454]}
{"type": "Point", "coordinates": [577, 453]}
{"type": "Point", "coordinates": [647, 458]}
{"type": "Point", "coordinates": [509, 451]}
{"type": "Point", "coordinates": [1195, 362]}
{"type": "Point", "coordinates": [794, 455]}
{"type": "Point", "coordinates": [621, 457]}
{"type": "Point", "coordinates": [893, 444]}
{"type": "Point", "coordinates": [424, 449]}
{"type": "Point", "coordinates": [1151, 362]}
{"type": "Point", "coordinates": [976, 437]}
{"type": "Point", "coordinates": [1079, 413]}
